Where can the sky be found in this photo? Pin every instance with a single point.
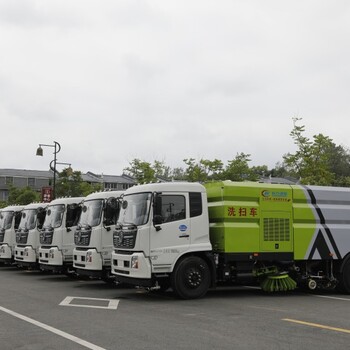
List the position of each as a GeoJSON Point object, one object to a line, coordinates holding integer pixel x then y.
{"type": "Point", "coordinates": [112, 81]}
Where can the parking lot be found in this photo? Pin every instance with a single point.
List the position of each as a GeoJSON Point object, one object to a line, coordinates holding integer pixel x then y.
{"type": "Point", "coordinates": [46, 311]}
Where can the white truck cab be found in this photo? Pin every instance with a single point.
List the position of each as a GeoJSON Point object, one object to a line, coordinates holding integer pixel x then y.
{"type": "Point", "coordinates": [57, 234]}
{"type": "Point", "coordinates": [27, 235]}
{"type": "Point", "coordinates": [93, 237]}
{"type": "Point", "coordinates": [159, 226]}
{"type": "Point", "coordinates": [9, 221]}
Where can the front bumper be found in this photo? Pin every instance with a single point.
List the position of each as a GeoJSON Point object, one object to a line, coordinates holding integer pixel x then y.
{"type": "Point", "coordinates": [134, 266]}
{"type": "Point", "coordinates": [5, 253]}
{"type": "Point", "coordinates": [25, 255]}
{"type": "Point", "coordinates": [88, 259]}
{"type": "Point", "coordinates": [50, 256]}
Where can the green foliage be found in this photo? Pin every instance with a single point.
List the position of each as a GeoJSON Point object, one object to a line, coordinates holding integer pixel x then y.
{"type": "Point", "coordinates": [22, 196]}
{"type": "Point", "coordinates": [203, 170]}
{"type": "Point", "coordinates": [317, 161]}
{"type": "Point", "coordinates": [177, 174]}
{"type": "Point", "coordinates": [142, 171]}
{"type": "Point", "coordinates": [71, 184]}
{"type": "Point", "coordinates": [195, 171]}
{"type": "Point", "coordinates": [238, 169]}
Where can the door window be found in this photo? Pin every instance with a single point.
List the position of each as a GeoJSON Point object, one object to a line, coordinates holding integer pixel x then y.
{"type": "Point", "coordinates": [173, 208]}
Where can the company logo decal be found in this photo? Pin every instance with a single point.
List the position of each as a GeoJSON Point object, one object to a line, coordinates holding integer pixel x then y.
{"type": "Point", "coordinates": [183, 228]}
{"type": "Point", "coordinates": [275, 196]}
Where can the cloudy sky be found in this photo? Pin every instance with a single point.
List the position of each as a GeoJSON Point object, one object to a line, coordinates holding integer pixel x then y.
{"type": "Point", "coordinates": [166, 80]}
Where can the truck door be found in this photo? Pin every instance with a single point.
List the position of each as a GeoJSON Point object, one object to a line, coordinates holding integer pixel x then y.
{"type": "Point", "coordinates": [170, 236]}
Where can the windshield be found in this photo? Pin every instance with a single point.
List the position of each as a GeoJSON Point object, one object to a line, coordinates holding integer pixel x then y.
{"type": "Point", "coordinates": [91, 213]}
{"type": "Point", "coordinates": [6, 219]}
{"type": "Point", "coordinates": [54, 216]}
{"type": "Point", "coordinates": [28, 219]}
{"type": "Point", "coordinates": [135, 209]}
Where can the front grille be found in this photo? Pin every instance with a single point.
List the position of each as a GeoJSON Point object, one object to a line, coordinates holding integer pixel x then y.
{"type": "Point", "coordinates": [276, 229]}
{"type": "Point", "coordinates": [125, 238]}
{"type": "Point", "coordinates": [2, 235]}
{"type": "Point", "coordinates": [21, 237]}
{"type": "Point", "coordinates": [82, 237]}
{"type": "Point", "coordinates": [46, 237]}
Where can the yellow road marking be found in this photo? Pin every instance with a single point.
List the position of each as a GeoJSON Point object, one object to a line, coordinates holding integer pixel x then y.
{"type": "Point", "coordinates": [318, 325]}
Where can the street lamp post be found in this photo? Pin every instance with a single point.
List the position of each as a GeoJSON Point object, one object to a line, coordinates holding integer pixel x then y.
{"type": "Point", "coordinates": [57, 148]}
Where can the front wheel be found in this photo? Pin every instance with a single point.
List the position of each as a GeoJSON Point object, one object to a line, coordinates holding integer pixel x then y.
{"type": "Point", "coordinates": [191, 278]}
{"type": "Point", "coordinates": [345, 277]}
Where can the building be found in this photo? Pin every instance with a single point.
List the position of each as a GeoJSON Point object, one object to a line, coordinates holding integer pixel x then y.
{"type": "Point", "coordinates": [37, 179]}
{"type": "Point", "coordinates": [109, 182]}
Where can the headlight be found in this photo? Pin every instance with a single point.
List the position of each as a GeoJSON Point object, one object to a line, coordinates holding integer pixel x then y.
{"type": "Point", "coordinates": [51, 254]}
{"type": "Point", "coordinates": [134, 262]}
{"type": "Point", "coordinates": [2, 249]}
{"type": "Point", "coordinates": [89, 257]}
{"type": "Point", "coordinates": [26, 252]}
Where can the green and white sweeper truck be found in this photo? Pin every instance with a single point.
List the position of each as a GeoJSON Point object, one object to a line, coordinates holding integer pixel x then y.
{"type": "Point", "coordinates": [192, 237]}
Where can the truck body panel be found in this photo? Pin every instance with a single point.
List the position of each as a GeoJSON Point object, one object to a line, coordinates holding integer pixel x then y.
{"type": "Point", "coordinates": [10, 217]}
{"type": "Point", "coordinates": [93, 240]}
{"type": "Point", "coordinates": [27, 235]}
{"type": "Point", "coordinates": [57, 235]}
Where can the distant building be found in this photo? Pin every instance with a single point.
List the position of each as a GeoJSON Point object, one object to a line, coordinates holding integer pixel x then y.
{"type": "Point", "coordinates": [36, 179]}
{"type": "Point", "coordinates": [110, 182]}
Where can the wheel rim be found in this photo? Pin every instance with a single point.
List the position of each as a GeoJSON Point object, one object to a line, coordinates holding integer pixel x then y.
{"type": "Point", "coordinates": [193, 278]}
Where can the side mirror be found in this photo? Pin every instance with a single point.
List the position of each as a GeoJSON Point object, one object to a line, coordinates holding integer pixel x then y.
{"type": "Point", "coordinates": [157, 220]}
{"type": "Point", "coordinates": [157, 210]}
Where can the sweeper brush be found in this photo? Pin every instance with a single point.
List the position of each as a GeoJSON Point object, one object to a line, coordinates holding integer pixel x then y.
{"type": "Point", "coordinates": [278, 283]}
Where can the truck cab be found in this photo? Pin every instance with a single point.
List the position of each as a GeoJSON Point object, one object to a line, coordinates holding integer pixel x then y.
{"type": "Point", "coordinates": [57, 234]}
{"type": "Point", "coordinates": [163, 228]}
{"type": "Point", "coordinates": [28, 233]}
{"type": "Point", "coordinates": [9, 221]}
{"type": "Point", "coordinates": [93, 238]}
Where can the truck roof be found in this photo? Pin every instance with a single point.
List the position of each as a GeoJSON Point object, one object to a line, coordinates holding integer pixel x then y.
{"type": "Point", "coordinates": [35, 205]}
{"type": "Point", "coordinates": [13, 208]}
{"type": "Point", "coordinates": [103, 195]}
{"type": "Point", "coordinates": [167, 186]}
{"type": "Point", "coordinates": [67, 200]}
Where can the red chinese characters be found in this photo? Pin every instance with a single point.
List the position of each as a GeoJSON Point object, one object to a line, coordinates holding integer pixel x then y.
{"type": "Point", "coordinates": [242, 212]}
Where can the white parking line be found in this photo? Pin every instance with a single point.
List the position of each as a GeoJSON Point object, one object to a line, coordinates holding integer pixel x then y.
{"type": "Point", "coordinates": [112, 303]}
{"type": "Point", "coordinates": [327, 297]}
{"type": "Point", "coordinates": [53, 330]}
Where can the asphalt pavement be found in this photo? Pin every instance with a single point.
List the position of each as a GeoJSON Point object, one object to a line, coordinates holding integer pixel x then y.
{"type": "Point", "coordinates": [54, 312]}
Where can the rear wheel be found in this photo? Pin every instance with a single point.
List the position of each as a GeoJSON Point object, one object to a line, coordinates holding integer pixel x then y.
{"type": "Point", "coordinates": [191, 278]}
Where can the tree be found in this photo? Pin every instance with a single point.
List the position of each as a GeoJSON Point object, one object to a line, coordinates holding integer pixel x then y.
{"type": "Point", "coordinates": [312, 160]}
{"type": "Point", "coordinates": [238, 169]}
{"type": "Point", "coordinates": [22, 196]}
{"type": "Point", "coordinates": [177, 174]}
{"type": "Point", "coordinates": [141, 171]}
{"type": "Point", "coordinates": [195, 171]}
{"type": "Point", "coordinates": [161, 170]}
{"type": "Point", "coordinates": [212, 168]}
{"type": "Point", "coordinates": [71, 184]}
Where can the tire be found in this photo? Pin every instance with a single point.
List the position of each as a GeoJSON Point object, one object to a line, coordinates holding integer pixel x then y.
{"type": "Point", "coordinates": [191, 278]}
{"type": "Point", "coordinates": [345, 277]}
